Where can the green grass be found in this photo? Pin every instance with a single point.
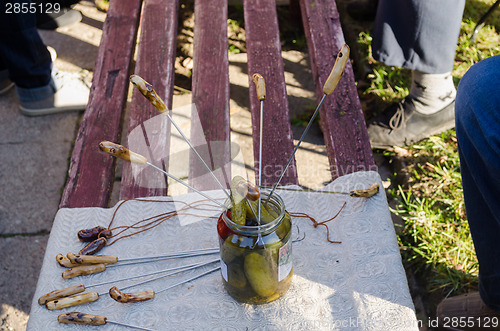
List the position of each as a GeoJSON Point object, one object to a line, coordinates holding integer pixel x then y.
{"type": "Point", "coordinates": [236, 30]}
{"type": "Point", "coordinates": [435, 239]}
{"type": "Point", "coordinates": [387, 83]}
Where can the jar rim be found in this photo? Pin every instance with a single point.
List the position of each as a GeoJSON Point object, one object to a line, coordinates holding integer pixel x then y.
{"type": "Point", "coordinates": [275, 200]}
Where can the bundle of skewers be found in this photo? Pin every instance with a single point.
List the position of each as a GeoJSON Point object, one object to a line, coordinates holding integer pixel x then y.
{"type": "Point", "coordinates": [81, 265]}
{"type": "Point", "coordinates": [86, 262]}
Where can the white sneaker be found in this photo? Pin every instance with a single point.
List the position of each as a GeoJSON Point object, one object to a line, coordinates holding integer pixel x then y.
{"type": "Point", "coordinates": [53, 53]}
{"type": "Point", "coordinates": [73, 95]}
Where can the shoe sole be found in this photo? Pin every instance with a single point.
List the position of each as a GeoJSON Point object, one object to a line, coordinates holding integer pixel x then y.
{"type": "Point", "coordinates": [48, 111]}
{"type": "Point", "coordinates": [446, 126]}
{"type": "Point", "coordinates": [53, 53]}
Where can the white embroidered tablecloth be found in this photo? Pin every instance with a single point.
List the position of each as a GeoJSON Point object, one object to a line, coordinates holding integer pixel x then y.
{"type": "Point", "coordinates": [359, 284]}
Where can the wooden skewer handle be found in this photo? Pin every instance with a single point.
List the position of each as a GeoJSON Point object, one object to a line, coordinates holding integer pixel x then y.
{"type": "Point", "coordinates": [366, 193]}
{"type": "Point", "coordinates": [119, 296]}
{"type": "Point", "coordinates": [81, 318]}
{"type": "Point", "coordinates": [72, 301]}
{"type": "Point", "coordinates": [93, 247]}
{"type": "Point", "coordinates": [337, 71]}
{"type": "Point", "coordinates": [260, 86]}
{"type": "Point", "coordinates": [88, 235]}
{"type": "Point", "coordinates": [65, 262]}
{"type": "Point", "coordinates": [149, 92]}
{"type": "Point", "coordinates": [248, 190]}
{"type": "Point", "coordinates": [121, 152]}
{"type": "Point", "coordinates": [83, 270]}
{"type": "Point", "coordinates": [57, 294]}
{"type": "Point", "coordinates": [91, 259]}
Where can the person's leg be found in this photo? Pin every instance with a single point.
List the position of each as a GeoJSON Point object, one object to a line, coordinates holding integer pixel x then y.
{"type": "Point", "coordinates": [5, 83]}
{"type": "Point", "coordinates": [22, 51]}
{"type": "Point", "coordinates": [421, 36]}
{"type": "Point", "coordinates": [478, 134]}
{"type": "Point", "coordinates": [417, 35]}
{"type": "Point", "coordinates": [41, 89]}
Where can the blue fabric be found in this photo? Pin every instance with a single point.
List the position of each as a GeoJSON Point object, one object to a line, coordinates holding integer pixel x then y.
{"type": "Point", "coordinates": [478, 133]}
{"type": "Point", "coordinates": [39, 93]}
{"type": "Point", "coordinates": [22, 51]}
{"type": "Point", "coordinates": [417, 34]}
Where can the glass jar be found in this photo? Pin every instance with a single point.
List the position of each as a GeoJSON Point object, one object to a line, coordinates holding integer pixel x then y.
{"type": "Point", "coordinates": [256, 260]}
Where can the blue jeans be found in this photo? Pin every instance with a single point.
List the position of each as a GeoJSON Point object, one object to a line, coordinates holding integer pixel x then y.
{"type": "Point", "coordinates": [23, 54]}
{"type": "Point", "coordinates": [478, 132]}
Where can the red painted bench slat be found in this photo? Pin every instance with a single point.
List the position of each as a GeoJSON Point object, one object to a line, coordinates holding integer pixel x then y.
{"type": "Point", "coordinates": [264, 57]}
{"type": "Point", "coordinates": [342, 120]}
{"type": "Point", "coordinates": [149, 130]}
{"type": "Point", "coordinates": [210, 128]}
{"type": "Point", "coordinates": [91, 173]}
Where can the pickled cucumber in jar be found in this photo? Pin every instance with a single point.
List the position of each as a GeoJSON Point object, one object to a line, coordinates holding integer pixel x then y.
{"type": "Point", "coordinates": [259, 272]}
{"type": "Point", "coordinates": [256, 259]}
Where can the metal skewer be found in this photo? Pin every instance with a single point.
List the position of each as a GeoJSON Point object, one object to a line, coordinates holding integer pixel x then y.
{"type": "Point", "coordinates": [148, 91]}
{"type": "Point", "coordinates": [91, 319]}
{"type": "Point", "coordinates": [119, 296]}
{"type": "Point", "coordinates": [260, 87]}
{"type": "Point", "coordinates": [82, 265]}
{"type": "Point", "coordinates": [328, 87]}
{"type": "Point", "coordinates": [60, 299]}
{"type": "Point", "coordinates": [178, 269]}
{"type": "Point", "coordinates": [127, 155]}
{"type": "Point", "coordinates": [356, 193]}
{"type": "Point", "coordinates": [80, 259]}
{"type": "Point", "coordinates": [196, 252]}
{"type": "Point", "coordinates": [190, 279]}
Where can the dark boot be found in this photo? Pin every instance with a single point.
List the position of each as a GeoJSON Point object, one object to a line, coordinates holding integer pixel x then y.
{"type": "Point", "coordinates": [401, 124]}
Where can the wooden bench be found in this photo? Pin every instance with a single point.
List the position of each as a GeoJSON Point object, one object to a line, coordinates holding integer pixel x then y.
{"type": "Point", "coordinates": [91, 173]}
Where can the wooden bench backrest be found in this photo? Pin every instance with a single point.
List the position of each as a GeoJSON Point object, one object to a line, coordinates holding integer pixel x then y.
{"type": "Point", "coordinates": [342, 120]}
{"type": "Point", "coordinates": [210, 89]}
{"type": "Point", "coordinates": [264, 57]}
{"type": "Point", "coordinates": [91, 173]}
{"type": "Point", "coordinates": [155, 63]}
